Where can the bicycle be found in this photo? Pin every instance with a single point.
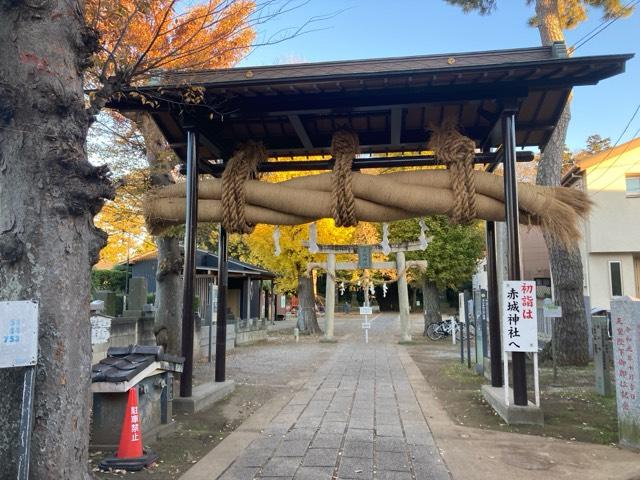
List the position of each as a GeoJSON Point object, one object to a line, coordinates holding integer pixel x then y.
{"type": "Point", "coordinates": [443, 328]}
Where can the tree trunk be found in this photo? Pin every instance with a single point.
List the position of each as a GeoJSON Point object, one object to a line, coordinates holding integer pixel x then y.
{"type": "Point", "coordinates": [307, 319]}
{"type": "Point", "coordinates": [168, 315]}
{"type": "Point", "coordinates": [566, 265]}
{"type": "Point", "coordinates": [548, 21]}
{"type": "Point", "coordinates": [49, 194]}
{"type": "Point", "coordinates": [431, 299]}
{"type": "Point", "coordinates": [414, 297]}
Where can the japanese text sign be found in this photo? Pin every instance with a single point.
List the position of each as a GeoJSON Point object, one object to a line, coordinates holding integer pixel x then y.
{"type": "Point", "coordinates": [364, 256]}
{"type": "Point", "coordinates": [18, 334]}
{"type": "Point", "coordinates": [519, 316]}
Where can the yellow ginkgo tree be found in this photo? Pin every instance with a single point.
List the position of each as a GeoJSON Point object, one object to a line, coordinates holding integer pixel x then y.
{"type": "Point", "coordinates": [291, 264]}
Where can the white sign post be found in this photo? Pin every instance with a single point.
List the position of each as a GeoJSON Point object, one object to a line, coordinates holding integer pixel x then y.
{"type": "Point", "coordinates": [520, 326]}
{"type": "Point", "coordinates": [19, 348]}
{"type": "Point", "coordinates": [366, 325]}
{"type": "Point", "coordinates": [461, 316]}
{"type": "Point", "coordinates": [551, 310]}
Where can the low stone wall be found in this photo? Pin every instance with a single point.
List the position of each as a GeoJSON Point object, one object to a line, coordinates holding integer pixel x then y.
{"type": "Point", "coordinates": [251, 330]}
{"type": "Point", "coordinates": [250, 336]}
{"type": "Point", "coordinates": [204, 339]}
{"type": "Point", "coordinates": [119, 332]}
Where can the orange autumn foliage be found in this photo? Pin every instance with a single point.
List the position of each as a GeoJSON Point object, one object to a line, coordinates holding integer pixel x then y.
{"type": "Point", "coordinates": [141, 37]}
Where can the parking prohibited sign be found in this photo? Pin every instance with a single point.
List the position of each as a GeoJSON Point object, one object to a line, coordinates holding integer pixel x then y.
{"type": "Point", "coordinates": [520, 319]}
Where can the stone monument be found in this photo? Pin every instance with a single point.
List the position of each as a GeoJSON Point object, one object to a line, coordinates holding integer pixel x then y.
{"type": "Point", "coordinates": [625, 318]}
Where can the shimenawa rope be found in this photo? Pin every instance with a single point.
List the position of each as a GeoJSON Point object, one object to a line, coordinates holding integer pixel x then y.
{"type": "Point", "coordinates": [344, 147]}
{"type": "Point", "coordinates": [457, 152]}
{"type": "Point", "coordinates": [242, 166]}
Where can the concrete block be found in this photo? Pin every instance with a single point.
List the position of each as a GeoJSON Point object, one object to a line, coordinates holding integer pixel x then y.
{"type": "Point", "coordinates": [203, 397]}
{"type": "Point", "coordinates": [320, 457]}
{"type": "Point", "coordinates": [394, 461]}
{"type": "Point", "coordinates": [327, 440]}
{"type": "Point", "coordinates": [355, 468]}
{"type": "Point", "coordinates": [358, 449]}
{"type": "Point", "coordinates": [281, 467]}
{"type": "Point", "coordinates": [512, 414]}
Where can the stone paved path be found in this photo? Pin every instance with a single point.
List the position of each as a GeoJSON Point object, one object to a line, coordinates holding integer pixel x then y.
{"type": "Point", "coordinates": [356, 418]}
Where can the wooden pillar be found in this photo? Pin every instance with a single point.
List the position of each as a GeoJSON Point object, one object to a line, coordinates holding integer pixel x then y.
{"type": "Point", "coordinates": [189, 273]}
{"type": "Point", "coordinates": [403, 298]}
{"type": "Point", "coordinates": [330, 301]}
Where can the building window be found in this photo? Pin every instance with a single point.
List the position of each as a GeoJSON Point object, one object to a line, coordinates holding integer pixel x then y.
{"type": "Point", "coordinates": [633, 184]}
{"type": "Point", "coordinates": [615, 278]}
{"type": "Point", "coordinates": [543, 281]}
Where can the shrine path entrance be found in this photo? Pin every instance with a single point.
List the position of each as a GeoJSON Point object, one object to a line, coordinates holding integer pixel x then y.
{"type": "Point", "coordinates": [357, 417]}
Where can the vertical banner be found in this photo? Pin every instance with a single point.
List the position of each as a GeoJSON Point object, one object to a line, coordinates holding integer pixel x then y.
{"type": "Point", "coordinates": [519, 314]}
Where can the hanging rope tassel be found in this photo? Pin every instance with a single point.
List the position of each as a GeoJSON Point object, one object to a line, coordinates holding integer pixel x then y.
{"type": "Point", "coordinates": [344, 147]}
{"type": "Point", "coordinates": [313, 238]}
{"type": "Point", "coordinates": [276, 241]}
{"type": "Point", "coordinates": [422, 238]}
{"type": "Point", "coordinates": [386, 248]}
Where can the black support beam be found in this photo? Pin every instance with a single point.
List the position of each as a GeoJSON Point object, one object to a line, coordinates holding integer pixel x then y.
{"type": "Point", "coordinates": [360, 163]}
{"type": "Point", "coordinates": [495, 342]}
{"type": "Point", "coordinates": [221, 323]}
{"type": "Point", "coordinates": [191, 225]}
{"type": "Point", "coordinates": [518, 359]}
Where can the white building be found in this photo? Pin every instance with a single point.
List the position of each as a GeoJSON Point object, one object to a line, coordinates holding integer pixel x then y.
{"type": "Point", "coordinates": [611, 243]}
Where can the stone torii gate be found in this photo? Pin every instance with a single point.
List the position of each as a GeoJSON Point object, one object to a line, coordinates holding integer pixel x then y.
{"type": "Point", "coordinates": [401, 265]}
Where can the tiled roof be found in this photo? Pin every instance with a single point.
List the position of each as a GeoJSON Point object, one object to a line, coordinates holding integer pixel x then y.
{"type": "Point", "coordinates": [124, 363]}
{"type": "Point", "coordinates": [389, 102]}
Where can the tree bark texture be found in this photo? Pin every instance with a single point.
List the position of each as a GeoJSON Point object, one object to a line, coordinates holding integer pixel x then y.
{"type": "Point", "coordinates": [49, 194]}
{"type": "Point", "coordinates": [431, 300]}
{"type": "Point", "coordinates": [566, 265]}
{"type": "Point", "coordinates": [168, 303]}
{"type": "Point", "coordinates": [307, 318]}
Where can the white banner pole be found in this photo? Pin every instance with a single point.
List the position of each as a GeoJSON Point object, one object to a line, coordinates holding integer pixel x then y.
{"type": "Point", "coordinates": [536, 378]}
{"type": "Point", "coordinates": [505, 362]}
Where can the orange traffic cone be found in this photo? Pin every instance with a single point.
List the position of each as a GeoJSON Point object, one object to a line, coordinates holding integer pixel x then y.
{"type": "Point", "coordinates": [130, 455]}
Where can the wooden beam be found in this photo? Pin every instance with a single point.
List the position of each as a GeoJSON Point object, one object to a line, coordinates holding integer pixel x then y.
{"type": "Point", "coordinates": [301, 132]}
{"type": "Point", "coordinates": [396, 126]}
{"type": "Point", "coordinates": [358, 163]}
{"type": "Point", "coordinates": [389, 98]}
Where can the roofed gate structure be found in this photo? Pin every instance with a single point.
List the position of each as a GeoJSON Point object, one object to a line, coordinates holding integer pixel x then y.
{"type": "Point", "coordinates": [500, 100]}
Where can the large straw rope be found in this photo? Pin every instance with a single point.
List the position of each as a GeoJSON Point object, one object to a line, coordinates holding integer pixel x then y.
{"type": "Point", "coordinates": [344, 147]}
{"type": "Point", "coordinates": [242, 166]}
{"type": "Point", "coordinates": [457, 152]}
{"type": "Point", "coordinates": [378, 198]}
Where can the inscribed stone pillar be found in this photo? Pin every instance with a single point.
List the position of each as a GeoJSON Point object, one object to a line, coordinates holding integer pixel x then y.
{"type": "Point", "coordinates": [601, 354]}
{"type": "Point", "coordinates": [137, 293]}
{"type": "Point", "coordinates": [403, 298]}
{"type": "Point", "coordinates": [625, 318]}
{"type": "Point", "coordinates": [330, 307]}
{"type": "Point", "coordinates": [109, 299]}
